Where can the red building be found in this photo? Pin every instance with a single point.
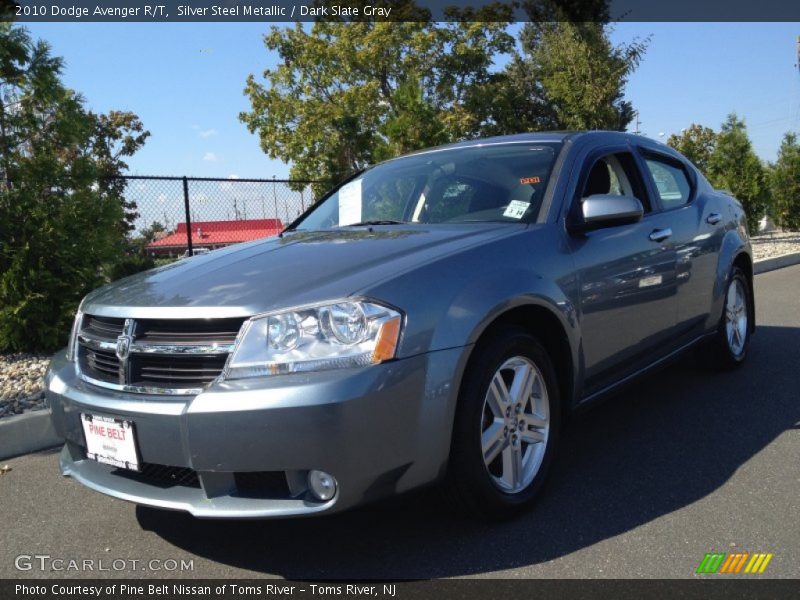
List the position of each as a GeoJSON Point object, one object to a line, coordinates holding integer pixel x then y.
{"type": "Point", "coordinates": [215, 234]}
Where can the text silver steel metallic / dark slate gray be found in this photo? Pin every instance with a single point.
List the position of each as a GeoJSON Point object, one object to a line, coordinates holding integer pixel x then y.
{"type": "Point", "coordinates": [434, 318]}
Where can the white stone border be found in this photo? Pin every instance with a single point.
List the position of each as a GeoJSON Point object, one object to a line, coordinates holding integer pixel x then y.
{"type": "Point", "coordinates": [777, 262]}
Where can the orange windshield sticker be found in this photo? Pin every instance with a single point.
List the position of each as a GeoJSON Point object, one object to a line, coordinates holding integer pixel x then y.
{"type": "Point", "coordinates": [526, 180]}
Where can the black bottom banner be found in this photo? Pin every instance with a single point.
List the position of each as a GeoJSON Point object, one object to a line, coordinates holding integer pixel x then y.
{"type": "Point", "coordinates": [463, 589]}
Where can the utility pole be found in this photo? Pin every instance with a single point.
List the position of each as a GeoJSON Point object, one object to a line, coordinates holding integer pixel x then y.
{"type": "Point", "coordinates": [636, 130]}
{"type": "Point", "coordinates": [275, 196]}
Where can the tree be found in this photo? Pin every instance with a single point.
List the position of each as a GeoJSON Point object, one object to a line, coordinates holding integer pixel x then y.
{"type": "Point", "coordinates": [62, 215]}
{"type": "Point", "coordinates": [785, 183]}
{"type": "Point", "coordinates": [150, 233]}
{"type": "Point", "coordinates": [116, 136]}
{"type": "Point", "coordinates": [346, 95]}
{"type": "Point", "coordinates": [735, 167]}
{"type": "Point", "coordinates": [697, 143]}
{"type": "Point", "coordinates": [569, 74]}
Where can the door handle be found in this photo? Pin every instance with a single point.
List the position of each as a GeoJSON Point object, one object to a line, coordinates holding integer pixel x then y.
{"type": "Point", "coordinates": [659, 235]}
{"type": "Point", "coordinates": [713, 218]}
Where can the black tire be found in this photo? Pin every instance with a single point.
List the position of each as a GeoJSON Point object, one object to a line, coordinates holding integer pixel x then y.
{"type": "Point", "coordinates": [719, 352]}
{"type": "Point", "coordinates": [468, 483]}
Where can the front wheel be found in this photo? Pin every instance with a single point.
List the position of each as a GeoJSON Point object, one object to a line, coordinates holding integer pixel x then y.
{"type": "Point", "coordinates": [506, 427]}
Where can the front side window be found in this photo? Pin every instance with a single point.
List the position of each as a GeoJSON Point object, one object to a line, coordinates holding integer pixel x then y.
{"type": "Point", "coordinates": [671, 183]}
{"type": "Point", "coordinates": [614, 174]}
{"type": "Point", "coordinates": [502, 182]}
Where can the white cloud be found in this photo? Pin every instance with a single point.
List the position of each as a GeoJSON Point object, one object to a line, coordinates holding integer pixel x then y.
{"type": "Point", "coordinates": [206, 133]}
{"type": "Point", "coordinates": [225, 186]}
{"type": "Point", "coordinates": [210, 157]}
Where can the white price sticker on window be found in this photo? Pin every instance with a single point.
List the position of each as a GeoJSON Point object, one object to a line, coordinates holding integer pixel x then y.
{"type": "Point", "coordinates": [516, 209]}
{"type": "Point", "coordinates": [350, 203]}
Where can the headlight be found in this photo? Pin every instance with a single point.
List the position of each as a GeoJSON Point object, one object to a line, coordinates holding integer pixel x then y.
{"type": "Point", "coordinates": [314, 338]}
{"type": "Point", "coordinates": [72, 348]}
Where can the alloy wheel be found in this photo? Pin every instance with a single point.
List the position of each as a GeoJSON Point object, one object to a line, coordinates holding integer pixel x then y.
{"type": "Point", "coordinates": [736, 317]}
{"type": "Point", "coordinates": [515, 424]}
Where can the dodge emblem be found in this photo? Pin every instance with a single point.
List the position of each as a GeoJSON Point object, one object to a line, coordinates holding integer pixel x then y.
{"type": "Point", "coordinates": [123, 347]}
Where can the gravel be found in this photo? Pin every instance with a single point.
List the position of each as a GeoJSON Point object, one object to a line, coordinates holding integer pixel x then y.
{"type": "Point", "coordinates": [22, 383]}
{"type": "Point", "coordinates": [770, 245]}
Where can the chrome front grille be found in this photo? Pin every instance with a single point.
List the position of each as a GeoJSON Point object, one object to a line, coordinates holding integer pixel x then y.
{"type": "Point", "coordinates": [156, 356]}
{"type": "Point", "coordinates": [103, 326]}
{"type": "Point", "coordinates": [177, 371]}
{"type": "Point", "coordinates": [171, 332]}
{"type": "Point", "coordinates": [104, 365]}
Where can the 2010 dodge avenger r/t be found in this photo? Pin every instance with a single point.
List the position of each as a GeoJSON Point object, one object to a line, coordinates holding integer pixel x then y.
{"type": "Point", "coordinates": [433, 318]}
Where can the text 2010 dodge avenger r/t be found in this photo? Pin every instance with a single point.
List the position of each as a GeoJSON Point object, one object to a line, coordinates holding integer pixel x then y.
{"type": "Point", "coordinates": [433, 318]}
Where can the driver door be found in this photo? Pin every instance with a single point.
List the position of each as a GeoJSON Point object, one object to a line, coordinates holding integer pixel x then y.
{"type": "Point", "coordinates": [626, 277]}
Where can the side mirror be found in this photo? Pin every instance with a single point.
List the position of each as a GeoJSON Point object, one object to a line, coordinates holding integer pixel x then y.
{"type": "Point", "coordinates": [608, 210]}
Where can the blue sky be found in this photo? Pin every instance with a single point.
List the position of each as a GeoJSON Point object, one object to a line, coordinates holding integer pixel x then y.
{"type": "Point", "coordinates": [185, 81]}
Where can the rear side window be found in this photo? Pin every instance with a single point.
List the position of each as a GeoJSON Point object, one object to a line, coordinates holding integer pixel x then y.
{"type": "Point", "coordinates": [671, 183]}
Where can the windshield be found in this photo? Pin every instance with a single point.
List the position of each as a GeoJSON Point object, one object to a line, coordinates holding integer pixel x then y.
{"type": "Point", "coordinates": [499, 182]}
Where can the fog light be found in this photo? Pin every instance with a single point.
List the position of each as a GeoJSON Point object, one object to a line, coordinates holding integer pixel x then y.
{"type": "Point", "coordinates": [322, 484]}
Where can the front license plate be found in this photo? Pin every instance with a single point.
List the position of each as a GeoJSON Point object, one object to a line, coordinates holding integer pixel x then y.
{"type": "Point", "coordinates": [110, 441]}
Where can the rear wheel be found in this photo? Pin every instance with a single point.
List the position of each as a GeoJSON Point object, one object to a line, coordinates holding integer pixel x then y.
{"type": "Point", "coordinates": [729, 348]}
{"type": "Point", "coordinates": [506, 426]}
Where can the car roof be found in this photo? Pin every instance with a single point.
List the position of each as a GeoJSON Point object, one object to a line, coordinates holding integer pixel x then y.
{"type": "Point", "coordinates": [595, 136]}
{"type": "Point", "coordinates": [542, 136]}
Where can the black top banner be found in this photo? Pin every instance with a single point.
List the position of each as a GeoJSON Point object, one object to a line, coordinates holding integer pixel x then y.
{"type": "Point", "coordinates": [400, 10]}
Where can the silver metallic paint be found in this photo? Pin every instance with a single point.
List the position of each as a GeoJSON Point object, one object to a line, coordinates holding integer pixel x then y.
{"type": "Point", "coordinates": [386, 428]}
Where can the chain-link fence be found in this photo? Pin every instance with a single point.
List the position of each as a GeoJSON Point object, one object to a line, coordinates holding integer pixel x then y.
{"type": "Point", "coordinates": [189, 215]}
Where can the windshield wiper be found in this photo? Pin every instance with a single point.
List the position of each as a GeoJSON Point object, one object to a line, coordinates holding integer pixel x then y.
{"type": "Point", "coordinates": [377, 222]}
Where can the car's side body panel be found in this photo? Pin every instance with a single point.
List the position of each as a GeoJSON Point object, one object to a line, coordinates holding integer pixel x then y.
{"type": "Point", "coordinates": [626, 328]}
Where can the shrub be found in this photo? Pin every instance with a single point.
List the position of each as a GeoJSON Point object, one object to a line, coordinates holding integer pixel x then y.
{"type": "Point", "coordinates": [62, 214]}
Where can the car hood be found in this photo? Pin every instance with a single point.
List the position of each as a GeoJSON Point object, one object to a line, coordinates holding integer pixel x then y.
{"type": "Point", "coordinates": [299, 268]}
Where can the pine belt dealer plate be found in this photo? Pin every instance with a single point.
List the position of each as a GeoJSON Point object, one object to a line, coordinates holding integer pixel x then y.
{"type": "Point", "coordinates": [110, 441]}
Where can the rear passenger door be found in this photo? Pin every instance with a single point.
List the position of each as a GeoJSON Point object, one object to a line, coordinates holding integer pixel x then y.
{"type": "Point", "coordinates": [697, 233]}
{"type": "Point", "coordinates": [626, 275]}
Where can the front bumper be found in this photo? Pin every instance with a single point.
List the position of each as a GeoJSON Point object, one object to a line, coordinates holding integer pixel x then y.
{"type": "Point", "coordinates": [378, 430]}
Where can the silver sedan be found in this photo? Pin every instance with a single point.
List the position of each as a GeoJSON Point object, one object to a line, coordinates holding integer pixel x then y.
{"type": "Point", "coordinates": [432, 319]}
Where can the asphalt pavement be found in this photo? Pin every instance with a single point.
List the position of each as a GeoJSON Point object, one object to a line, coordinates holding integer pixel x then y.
{"type": "Point", "coordinates": [684, 463]}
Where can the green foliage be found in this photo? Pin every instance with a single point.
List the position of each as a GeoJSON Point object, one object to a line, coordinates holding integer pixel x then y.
{"type": "Point", "coordinates": [130, 264]}
{"type": "Point", "coordinates": [735, 167]}
{"type": "Point", "coordinates": [133, 257]}
{"type": "Point", "coordinates": [570, 76]}
{"type": "Point", "coordinates": [62, 216]}
{"type": "Point", "coordinates": [162, 261]}
{"type": "Point", "coordinates": [785, 183]}
{"type": "Point", "coordinates": [148, 234]}
{"type": "Point", "coordinates": [697, 143]}
{"type": "Point", "coordinates": [346, 95]}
